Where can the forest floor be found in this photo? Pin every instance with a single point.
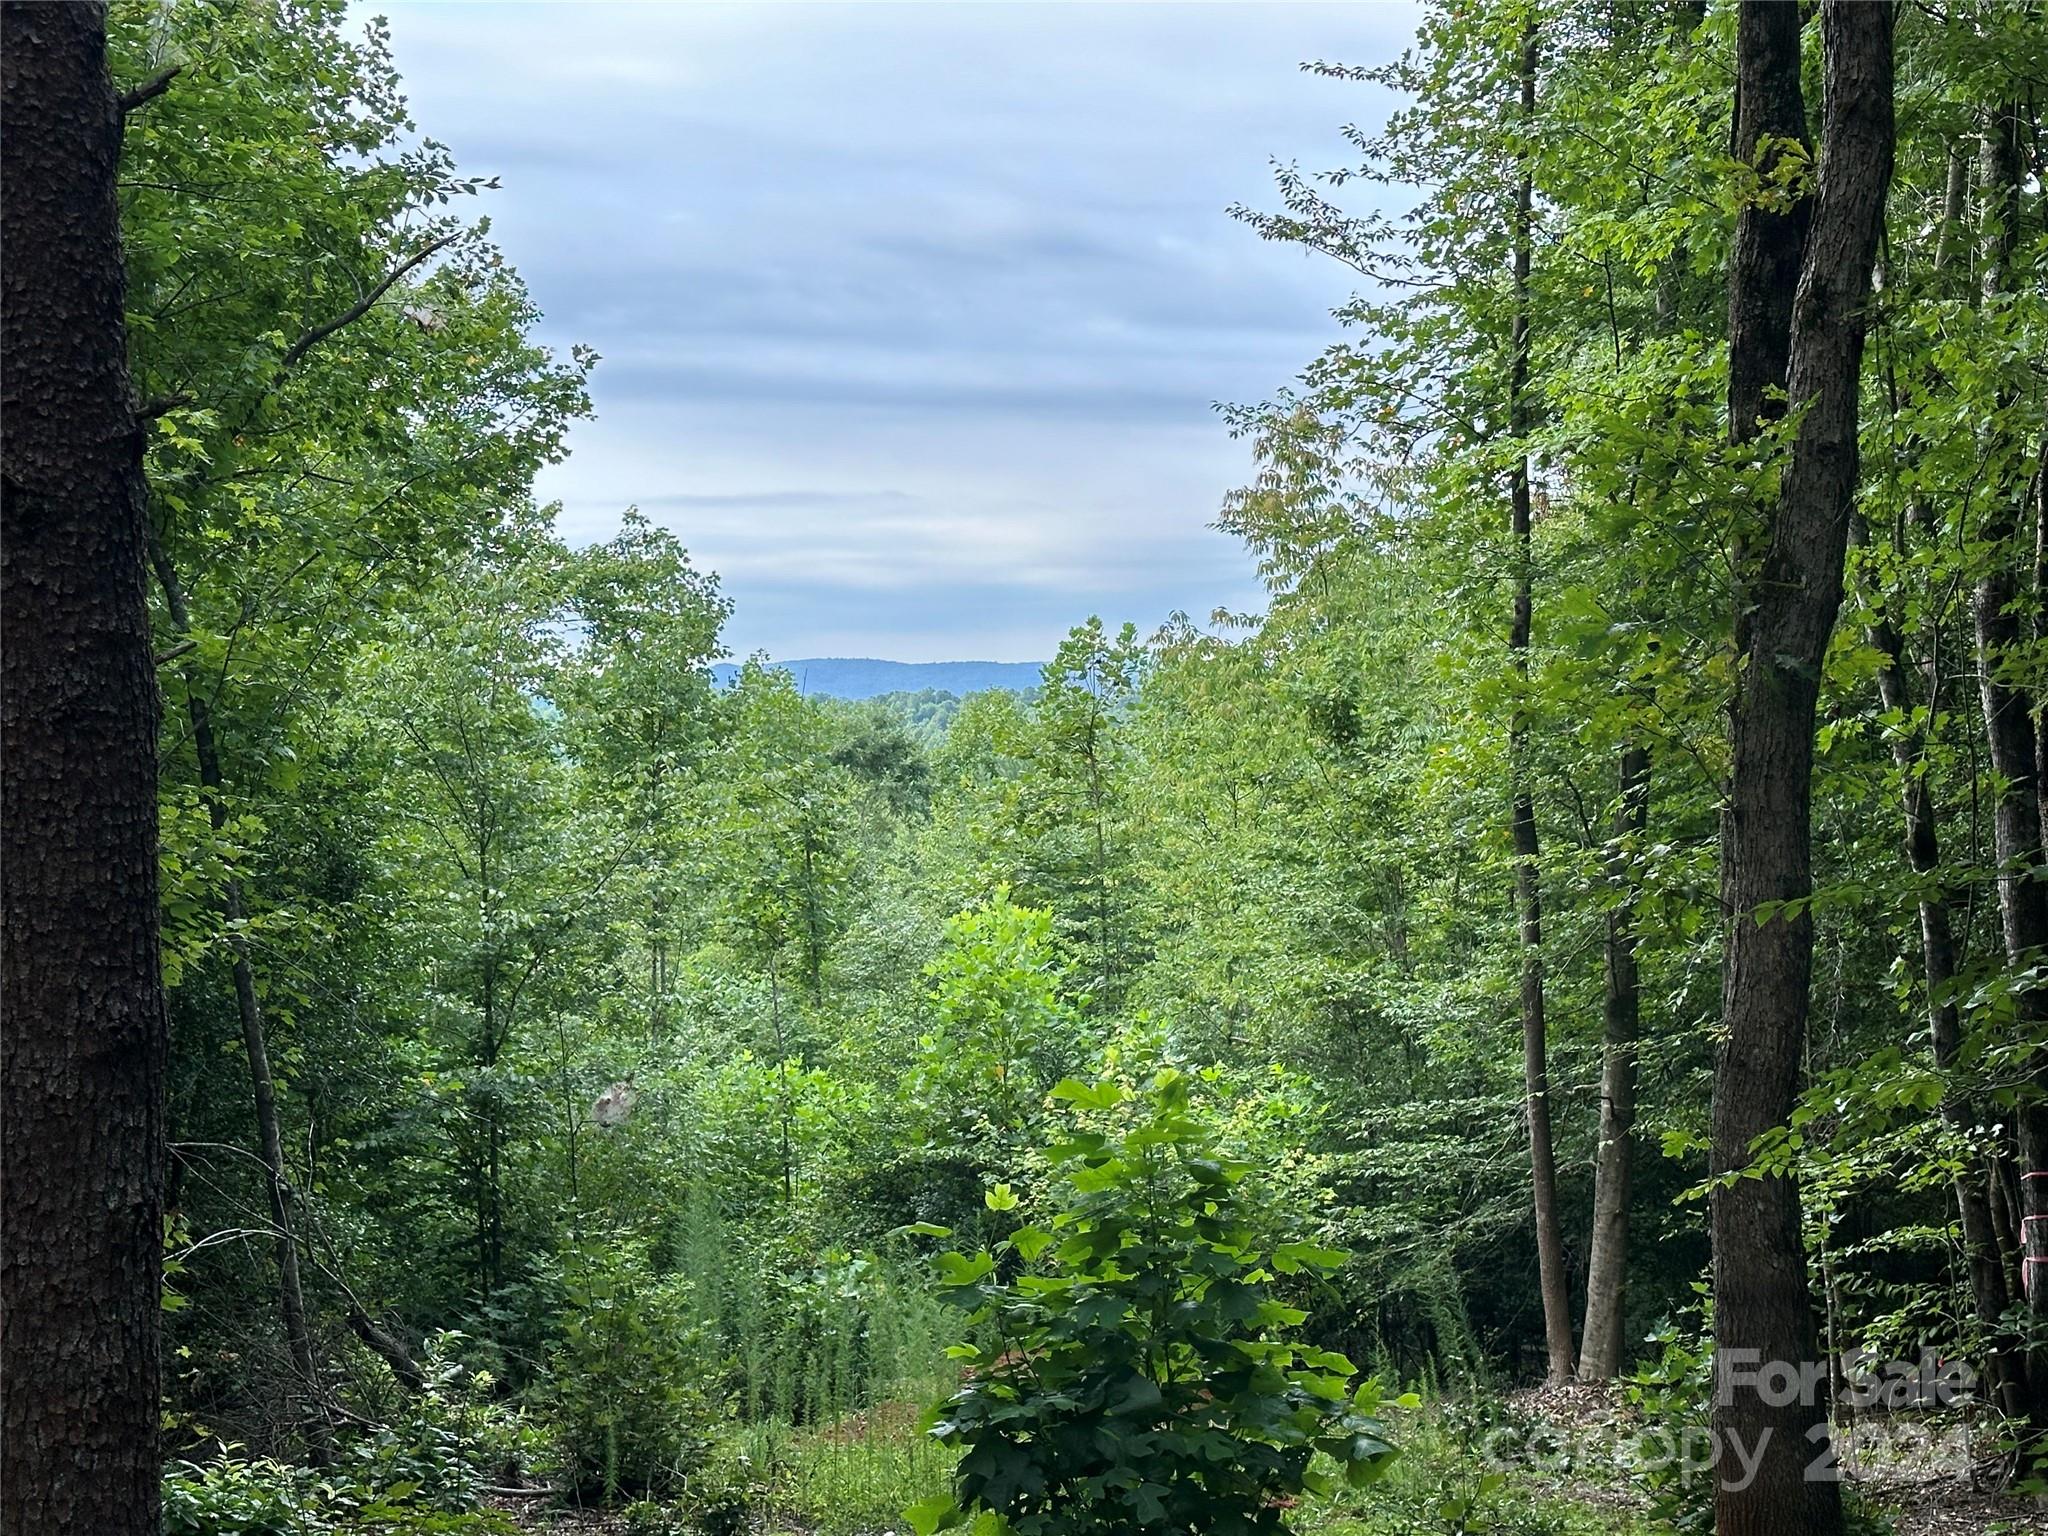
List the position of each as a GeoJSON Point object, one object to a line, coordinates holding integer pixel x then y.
{"type": "Point", "coordinates": [1916, 1480]}
{"type": "Point", "coordinates": [847, 1480]}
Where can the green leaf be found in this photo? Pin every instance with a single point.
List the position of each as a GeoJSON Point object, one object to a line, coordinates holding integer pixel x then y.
{"type": "Point", "coordinates": [938, 1513]}
{"type": "Point", "coordinates": [1089, 1095]}
{"type": "Point", "coordinates": [1292, 1258]}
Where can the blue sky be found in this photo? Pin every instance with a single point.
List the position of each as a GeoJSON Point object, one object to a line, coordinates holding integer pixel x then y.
{"type": "Point", "coordinates": [912, 316]}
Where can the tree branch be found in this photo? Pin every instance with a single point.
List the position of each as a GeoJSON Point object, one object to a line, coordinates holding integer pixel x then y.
{"type": "Point", "coordinates": [361, 307]}
{"type": "Point", "coordinates": [150, 89]}
{"type": "Point", "coordinates": [158, 405]}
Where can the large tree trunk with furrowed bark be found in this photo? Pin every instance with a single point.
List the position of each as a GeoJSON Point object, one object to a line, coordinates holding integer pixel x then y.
{"type": "Point", "coordinates": [1786, 604]}
{"type": "Point", "coordinates": [83, 1043]}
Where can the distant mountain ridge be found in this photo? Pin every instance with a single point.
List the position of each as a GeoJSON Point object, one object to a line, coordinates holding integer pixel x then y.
{"type": "Point", "coordinates": [860, 677]}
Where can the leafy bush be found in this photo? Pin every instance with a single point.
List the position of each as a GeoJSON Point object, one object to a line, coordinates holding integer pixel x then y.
{"type": "Point", "coordinates": [421, 1474]}
{"type": "Point", "coordinates": [1003, 1034]}
{"type": "Point", "coordinates": [450, 1440]}
{"type": "Point", "coordinates": [627, 1395]}
{"type": "Point", "coordinates": [1451, 1480]}
{"type": "Point", "coordinates": [233, 1496]}
{"type": "Point", "coordinates": [1136, 1371]}
{"type": "Point", "coordinates": [1673, 1393]}
{"type": "Point", "coordinates": [720, 1492]}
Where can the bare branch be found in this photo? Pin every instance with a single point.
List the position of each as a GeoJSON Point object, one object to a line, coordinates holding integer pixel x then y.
{"type": "Point", "coordinates": [159, 405]}
{"type": "Point", "coordinates": [149, 90]}
{"type": "Point", "coordinates": [356, 311]}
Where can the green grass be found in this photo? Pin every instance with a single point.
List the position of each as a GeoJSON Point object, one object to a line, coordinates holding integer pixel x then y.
{"type": "Point", "coordinates": [855, 1476]}
{"type": "Point", "coordinates": [849, 1478]}
{"type": "Point", "coordinates": [1441, 1486]}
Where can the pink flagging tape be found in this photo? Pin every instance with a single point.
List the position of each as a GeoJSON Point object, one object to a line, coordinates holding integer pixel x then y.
{"type": "Point", "coordinates": [2035, 1173]}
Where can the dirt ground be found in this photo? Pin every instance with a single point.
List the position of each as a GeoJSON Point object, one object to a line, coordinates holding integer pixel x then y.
{"type": "Point", "coordinates": [1925, 1474]}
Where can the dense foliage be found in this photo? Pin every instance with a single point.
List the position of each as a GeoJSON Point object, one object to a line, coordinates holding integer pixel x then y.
{"type": "Point", "coordinates": [1137, 1373]}
{"type": "Point", "coordinates": [629, 1034]}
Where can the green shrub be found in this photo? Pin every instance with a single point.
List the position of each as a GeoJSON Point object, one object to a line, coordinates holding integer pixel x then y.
{"type": "Point", "coordinates": [627, 1396]}
{"type": "Point", "coordinates": [421, 1474]}
{"type": "Point", "coordinates": [232, 1496]}
{"type": "Point", "coordinates": [450, 1440]}
{"type": "Point", "coordinates": [1451, 1481]}
{"type": "Point", "coordinates": [720, 1493]}
{"type": "Point", "coordinates": [1135, 1370]}
{"type": "Point", "coordinates": [1673, 1393]}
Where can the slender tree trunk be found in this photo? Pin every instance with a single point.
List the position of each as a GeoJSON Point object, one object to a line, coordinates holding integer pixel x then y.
{"type": "Point", "coordinates": [814, 937]}
{"type": "Point", "coordinates": [1938, 966]}
{"type": "Point", "coordinates": [1557, 1304]}
{"type": "Point", "coordinates": [1786, 610]}
{"type": "Point", "coordinates": [298, 1333]}
{"type": "Point", "coordinates": [491, 1226]}
{"type": "Point", "coordinates": [2005, 1220]}
{"type": "Point", "coordinates": [1600, 1358]}
{"type": "Point", "coordinates": [83, 1043]}
{"type": "Point", "coordinates": [2009, 731]}
{"type": "Point", "coordinates": [2040, 512]}
{"type": "Point", "coordinates": [1603, 1347]}
{"type": "Point", "coordinates": [782, 1068]}
{"type": "Point", "coordinates": [657, 979]}
{"type": "Point", "coordinates": [1989, 1294]}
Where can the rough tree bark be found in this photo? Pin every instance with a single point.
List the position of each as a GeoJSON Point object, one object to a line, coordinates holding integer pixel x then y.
{"type": "Point", "coordinates": [1607, 1268]}
{"type": "Point", "coordinates": [1557, 1303]}
{"type": "Point", "coordinates": [1786, 605]}
{"type": "Point", "coordinates": [82, 1055]}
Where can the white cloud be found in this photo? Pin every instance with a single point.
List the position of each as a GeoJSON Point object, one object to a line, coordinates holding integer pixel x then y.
{"type": "Point", "coordinates": [947, 291]}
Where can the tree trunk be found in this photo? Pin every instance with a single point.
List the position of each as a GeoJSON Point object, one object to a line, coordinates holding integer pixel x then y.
{"type": "Point", "coordinates": [2009, 732]}
{"type": "Point", "coordinates": [269, 1137]}
{"type": "Point", "coordinates": [1600, 1358]}
{"type": "Point", "coordinates": [2005, 1203]}
{"type": "Point", "coordinates": [1938, 967]}
{"type": "Point", "coordinates": [1988, 1292]}
{"type": "Point", "coordinates": [1603, 1346]}
{"type": "Point", "coordinates": [2041, 614]}
{"type": "Point", "coordinates": [1763, 267]}
{"type": "Point", "coordinates": [82, 1055]}
{"type": "Point", "coordinates": [1557, 1304]}
{"type": "Point", "coordinates": [1767, 1478]}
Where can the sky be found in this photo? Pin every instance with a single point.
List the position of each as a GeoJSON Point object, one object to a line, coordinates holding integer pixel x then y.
{"type": "Point", "coordinates": [913, 317]}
